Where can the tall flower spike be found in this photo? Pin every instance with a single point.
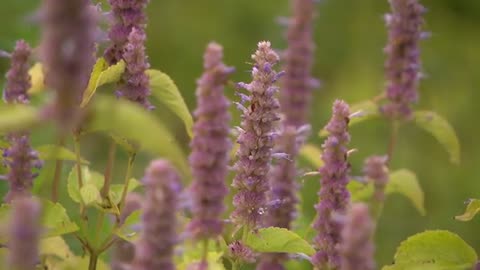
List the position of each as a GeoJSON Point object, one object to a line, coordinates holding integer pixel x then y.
{"type": "Point", "coordinates": [19, 156]}
{"type": "Point", "coordinates": [24, 234]}
{"type": "Point", "coordinates": [127, 14]}
{"type": "Point", "coordinates": [256, 140]}
{"type": "Point", "coordinates": [403, 60]}
{"type": "Point", "coordinates": [154, 249]}
{"type": "Point", "coordinates": [357, 249]}
{"type": "Point", "coordinates": [333, 194]}
{"type": "Point", "coordinates": [295, 96]}
{"type": "Point", "coordinates": [135, 84]}
{"type": "Point", "coordinates": [297, 84]}
{"type": "Point", "coordinates": [18, 79]}
{"type": "Point", "coordinates": [68, 51]}
{"type": "Point", "coordinates": [210, 147]}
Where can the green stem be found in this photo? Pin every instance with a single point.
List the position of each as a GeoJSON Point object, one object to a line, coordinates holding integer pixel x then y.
{"type": "Point", "coordinates": [92, 264]}
{"type": "Point", "coordinates": [205, 249]}
{"type": "Point", "coordinates": [108, 171]}
{"type": "Point", "coordinates": [58, 171]}
{"type": "Point", "coordinates": [128, 175]}
{"type": "Point", "coordinates": [78, 160]}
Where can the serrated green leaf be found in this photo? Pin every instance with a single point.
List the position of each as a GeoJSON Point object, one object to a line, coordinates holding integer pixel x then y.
{"type": "Point", "coordinates": [101, 75]}
{"type": "Point", "coordinates": [55, 246]}
{"type": "Point", "coordinates": [439, 128]}
{"type": "Point", "coordinates": [55, 152]}
{"type": "Point", "coordinates": [88, 178]}
{"type": "Point", "coordinates": [278, 240]}
{"type": "Point", "coordinates": [405, 182]}
{"type": "Point", "coordinates": [312, 154]}
{"type": "Point", "coordinates": [89, 194]}
{"type": "Point", "coordinates": [434, 250]}
{"type": "Point", "coordinates": [55, 220]}
{"type": "Point", "coordinates": [166, 92]}
{"type": "Point", "coordinates": [133, 122]}
{"type": "Point", "coordinates": [126, 231]}
{"type": "Point", "coordinates": [37, 79]}
{"type": "Point", "coordinates": [17, 117]}
{"type": "Point", "coordinates": [362, 111]}
{"type": "Point", "coordinates": [472, 210]}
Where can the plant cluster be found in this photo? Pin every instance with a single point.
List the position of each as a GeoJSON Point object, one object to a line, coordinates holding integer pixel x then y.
{"type": "Point", "coordinates": [177, 216]}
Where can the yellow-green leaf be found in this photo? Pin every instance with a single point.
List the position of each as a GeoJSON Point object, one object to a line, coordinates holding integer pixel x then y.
{"type": "Point", "coordinates": [95, 179]}
{"type": "Point", "coordinates": [55, 246]}
{"type": "Point", "coordinates": [55, 220]}
{"type": "Point", "coordinates": [278, 240]}
{"type": "Point", "coordinates": [441, 130]}
{"type": "Point", "coordinates": [213, 260]}
{"type": "Point", "coordinates": [55, 152]}
{"type": "Point", "coordinates": [17, 117]}
{"type": "Point", "coordinates": [434, 250]}
{"type": "Point", "coordinates": [37, 79]}
{"type": "Point", "coordinates": [89, 194]}
{"type": "Point", "coordinates": [405, 182]}
{"type": "Point", "coordinates": [361, 111]}
{"type": "Point", "coordinates": [312, 154]}
{"type": "Point", "coordinates": [472, 210]}
{"type": "Point", "coordinates": [133, 122]}
{"type": "Point", "coordinates": [102, 75]}
{"type": "Point", "coordinates": [126, 231]}
{"type": "Point", "coordinates": [166, 92]}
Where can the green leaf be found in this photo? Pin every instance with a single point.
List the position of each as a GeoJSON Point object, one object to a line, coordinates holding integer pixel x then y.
{"type": "Point", "coordinates": [127, 145]}
{"type": "Point", "coordinates": [37, 79]}
{"type": "Point", "coordinates": [55, 220]}
{"type": "Point", "coordinates": [360, 192]}
{"type": "Point", "coordinates": [405, 182]}
{"type": "Point", "coordinates": [362, 111]}
{"type": "Point", "coordinates": [55, 152]}
{"type": "Point", "coordinates": [133, 122]}
{"type": "Point", "coordinates": [434, 250]}
{"type": "Point", "coordinates": [166, 92]}
{"type": "Point", "coordinates": [17, 117]}
{"type": "Point", "coordinates": [441, 130]}
{"type": "Point", "coordinates": [278, 240]}
{"type": "Point", "coordinates": [92, 179]}
{"type": "Point", "coordinates": [126, 231]}
{"type": "Point", "coordinates": [472, 210]}
{"type": "Point", "coordinates": [312, 154]}
{"type": "Point", "coordinates": [117, 189]}
{"type": "Point", "coordinates": [55, 246]}
{"type": "Point", "coordinates": [90, 194]}
{"type": "Point", "coordinates": [102, 75]}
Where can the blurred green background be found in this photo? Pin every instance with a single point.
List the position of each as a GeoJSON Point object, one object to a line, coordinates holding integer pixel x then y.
{"type": "Point", "coordinates": [350, 36]}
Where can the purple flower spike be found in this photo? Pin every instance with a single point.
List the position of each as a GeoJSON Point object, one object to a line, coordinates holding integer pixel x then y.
{"type": "Point", "coordinates": [155, 248]}
{"type": "Point", "coordinates": [19, 156]}
{"type": "Point", "coordinates": [297, 83]}
{"type": "Point", "coordinates": [357, 249]}
{"type": "Point", "coordinates": [127, 14]}
{"type": "Point", "coordinates": [256, 140]}
{"type": "Point", "coordinates": [334, 196]}
{"type": "Point", "coordinates": [24, 234]}
{"type": "Point", "coordinates": [135, 84]}
{"type": "Point", "coordinates": [403, 63]}
{"type": "Point", "coordinates": [68, 53]}
{"type": "Point", "coordinates": [18, 79]}
{"type": "Point", "coordinates": [210, 147]}
{"type": "Point", "coordinates": [376, 170]}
